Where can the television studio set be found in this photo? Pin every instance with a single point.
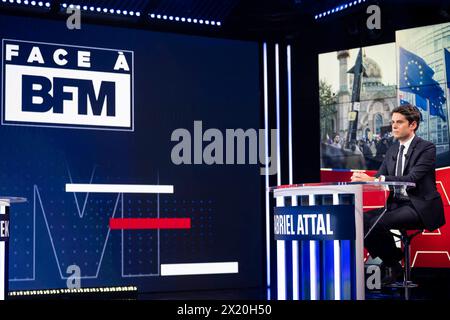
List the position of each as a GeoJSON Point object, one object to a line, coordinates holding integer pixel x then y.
{"type": "Point", "coordinates": [241, 150]}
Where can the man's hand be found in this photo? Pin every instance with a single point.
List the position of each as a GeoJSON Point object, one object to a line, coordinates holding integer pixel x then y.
{"type": "Point", "coordinates": [361, 177]}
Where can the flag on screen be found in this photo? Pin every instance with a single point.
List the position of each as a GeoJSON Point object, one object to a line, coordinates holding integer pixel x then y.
{"type": "Point", "coordinates": [416, 101]}
{"type": "Point", "coordinates": [416, 76]}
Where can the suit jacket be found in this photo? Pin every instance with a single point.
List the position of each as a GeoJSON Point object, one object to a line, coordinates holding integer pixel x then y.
{"type": "Point", "coordinates": [420, 166]}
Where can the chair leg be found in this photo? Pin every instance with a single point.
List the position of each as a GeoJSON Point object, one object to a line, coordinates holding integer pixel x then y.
{"type": "Point", "coordinates": [407, 284]}
{"type": "Point", "coordinates": [406, 275]}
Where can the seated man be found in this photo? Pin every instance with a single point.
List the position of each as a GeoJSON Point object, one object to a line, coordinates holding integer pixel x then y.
{"type": "Point", "coordinates": [410, 159]}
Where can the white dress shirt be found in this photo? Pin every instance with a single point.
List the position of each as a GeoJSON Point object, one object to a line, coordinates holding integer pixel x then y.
{"type": "Point", "coordinates": [405, 151]}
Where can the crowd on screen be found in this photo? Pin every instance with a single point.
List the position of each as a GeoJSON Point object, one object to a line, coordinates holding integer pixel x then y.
{"type": "Point", "coordinates": [365, 153]}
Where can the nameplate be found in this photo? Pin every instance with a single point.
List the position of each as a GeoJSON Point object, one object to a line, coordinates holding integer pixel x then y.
{"type": "Point", "coordinates": [315, 223]}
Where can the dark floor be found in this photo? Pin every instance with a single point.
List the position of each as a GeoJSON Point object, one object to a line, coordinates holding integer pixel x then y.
{"type": "Point", "coordinates": [433, 284]}
{"type": "Point", "coordinates": [227, 294]}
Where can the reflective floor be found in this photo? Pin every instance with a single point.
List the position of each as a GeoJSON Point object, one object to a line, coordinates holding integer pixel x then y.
{"type": "Point", "coordinates": [228, 294]}
{"type": "Point", "coordinates": [433, 284]}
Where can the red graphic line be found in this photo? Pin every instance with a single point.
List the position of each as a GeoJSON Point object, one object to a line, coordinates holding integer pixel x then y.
{"type": "Point", "coordinates": [149, 223]}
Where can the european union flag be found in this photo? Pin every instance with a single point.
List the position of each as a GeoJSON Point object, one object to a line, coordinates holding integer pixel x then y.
{"type": "Point", "coordinates": [420, 103]}
{"type": "Point", "coordinates": [413, 99]}
{"type": "Point", "coordinates": [402, 102]}
{"type": "Point", "coordinates": [416, 77]}
{"type": "Point", "coordinates": [436, 107]}
{"type": "Point", "coordinates": [414, 71]}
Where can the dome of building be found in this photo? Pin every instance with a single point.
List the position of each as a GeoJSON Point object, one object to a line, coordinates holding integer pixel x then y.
{"type": "Point", "coordinates": [373, 70]}
{"type": "Point", "coordinates": [373, 74]}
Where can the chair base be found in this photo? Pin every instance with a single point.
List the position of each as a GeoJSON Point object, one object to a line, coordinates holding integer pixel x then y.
{"type": "Point", "coordinates": [409, 284]}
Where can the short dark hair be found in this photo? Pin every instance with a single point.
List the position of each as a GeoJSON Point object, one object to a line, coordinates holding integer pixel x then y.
{"type": "Point", "coordinates": [410, 112]}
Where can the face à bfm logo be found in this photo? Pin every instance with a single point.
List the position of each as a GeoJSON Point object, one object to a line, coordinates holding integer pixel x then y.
{"type": "Point", "coordinates": [61, 85]}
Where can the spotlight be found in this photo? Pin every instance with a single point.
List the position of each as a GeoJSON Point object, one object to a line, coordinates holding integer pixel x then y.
{"type": "Point", "coordinates": [341, 7]}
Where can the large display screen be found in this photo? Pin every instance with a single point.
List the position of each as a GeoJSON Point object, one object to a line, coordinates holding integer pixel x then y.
{"type": "Point", "coordinates": [104, 129]}
{"type": "Point", "coordinates": [360, 87]}
{"type": "Point", "coordinates": [356, 114]}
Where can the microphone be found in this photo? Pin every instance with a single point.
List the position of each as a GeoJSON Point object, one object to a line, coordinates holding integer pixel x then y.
{"type": "Point", "coordinates": [394, 158]}
{"type": "Point", "coordinates": [406, 156]}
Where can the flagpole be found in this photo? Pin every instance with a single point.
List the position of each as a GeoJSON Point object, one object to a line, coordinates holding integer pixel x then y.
{"type": "Point", "coordinates": [428, 122]}
{"type": "Point", "coordinates": [447, 94]}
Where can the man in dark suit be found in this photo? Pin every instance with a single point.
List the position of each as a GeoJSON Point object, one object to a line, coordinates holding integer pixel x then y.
{"type": "Point", "coordinates": [409, 159]}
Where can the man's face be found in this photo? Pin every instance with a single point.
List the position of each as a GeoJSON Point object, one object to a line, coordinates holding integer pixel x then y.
{"type": "Point", "coordinates": [401, 128]}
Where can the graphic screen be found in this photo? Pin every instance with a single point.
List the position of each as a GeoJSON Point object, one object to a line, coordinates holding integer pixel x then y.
{"type": "Point", "coordinates": [117, 139]}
